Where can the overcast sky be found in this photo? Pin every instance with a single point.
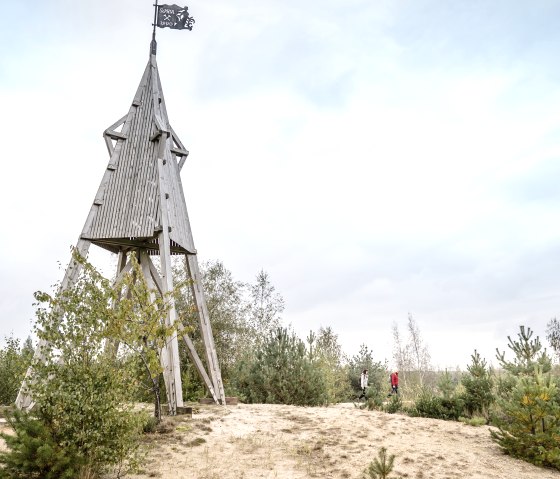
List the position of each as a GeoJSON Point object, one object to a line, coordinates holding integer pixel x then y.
{"type": "Point", "coordinates": [376, 158]}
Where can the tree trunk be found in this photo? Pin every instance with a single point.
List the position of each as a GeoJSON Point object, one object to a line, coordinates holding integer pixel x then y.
{"type": "Point", "coordinates": [157, 399]}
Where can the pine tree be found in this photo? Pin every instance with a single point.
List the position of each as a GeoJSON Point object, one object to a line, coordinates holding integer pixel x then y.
{"type": "Point", "coordinates": [478, 384]}
{"type": "Point", "coordinates": [529, 418]}
{"type": "Point", "coordinates": [529, 424]}
{"type": "Point", "coordinates": [382, 465]}
{"type": "Point", "coordinates": [529, 354]}
{"type": "Point", "coordinates": [34, 452]}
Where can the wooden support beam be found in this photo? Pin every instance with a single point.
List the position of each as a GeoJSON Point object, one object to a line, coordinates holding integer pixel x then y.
{"type": "Point", "coordinates": [175, 393]}
{"type": "Point", "coordinates": [205, 327]}
{"type": "Point", "coordinates": [179, 152]}
{"type": "Point", "coordinates": [193, 355]}
{"type": "Point", "coordinates": [181, 148]}
{"type": "Point", "coordinates": [115, 135]}
{"type": "Point", "coordinates": [155, 275]}
{"type": "Point", "coordinates": [168, 378]}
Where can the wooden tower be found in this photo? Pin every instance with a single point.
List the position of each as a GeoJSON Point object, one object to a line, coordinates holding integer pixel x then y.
{"type": "Point", "coordinates": [140, 207]}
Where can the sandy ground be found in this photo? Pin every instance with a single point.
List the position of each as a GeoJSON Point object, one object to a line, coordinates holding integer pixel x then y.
{"type": "Point", "coordinates": [275, 441]}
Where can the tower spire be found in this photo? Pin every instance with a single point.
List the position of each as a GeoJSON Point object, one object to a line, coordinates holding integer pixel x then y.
{"type": "Point", "coordinates": [153, 44]}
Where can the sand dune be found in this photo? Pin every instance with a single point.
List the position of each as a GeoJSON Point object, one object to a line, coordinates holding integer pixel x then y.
{"type": "Point", "coordinates": [276, 441]}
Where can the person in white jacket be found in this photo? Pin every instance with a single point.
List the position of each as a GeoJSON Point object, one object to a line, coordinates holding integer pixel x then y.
{"type": "Point", "coordinates": [363, 384]}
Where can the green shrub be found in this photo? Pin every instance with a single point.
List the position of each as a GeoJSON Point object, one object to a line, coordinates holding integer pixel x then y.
{"type": "Point", "coordinates": [474, 421]}
{"type": "Point", "coordinates": [529, 421]}
{"type": "Point", "coordinates": [394, 404]}
{"type": "Point", "coordinates": [14, 361]}
{"type": "Point", "coordinates": [149, 424]}
{"type": "Point", "coordinates": [81, 413]}
{"type": "Point", "coordinates": [528, 413]}
{"type": "Point", "coordinates": [478, 384]}
{"type": "Point", "coordinates": [430, 405]}
{"type": "Point", "coordinates": [34, 452]}
{"type": "Point", "coordinates": [381, 466]}
{"type": "Point", "coordinates": [282, 373]}
{"type": "Point", "coordinates": [377, 374]}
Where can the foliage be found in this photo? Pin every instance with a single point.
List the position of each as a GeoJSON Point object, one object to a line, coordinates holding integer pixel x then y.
{"type": "Point", "coordinates": [478, 384]}
{"type": "Point", "coordinates": [266, 306]}
{"type": "Point", "coordinates": [79, 390]}
{"type": "Point", "coordinates": [394, 404]}
{"type": "Point", "coordinates": [381, 466]}
{"type": "Point", "coordinates": [14, 361]}
{"type": "Point", "coordinates": [553, 335]}
{"type": "Point", "coordinates": [474, 420]}
{"type": "Point", "coordinates": [528, 415]}
{"type": "Point", "coordinates": [412, 359]}
{"type": "Point", "coordinates": [431, 405]}
{"type": "Point", "coordinates": [326, 354]}
{"type": "Point", "coordinates": [34, 452]}
{"type": "Point", "coordinates": [529, 423]}
{"type": "Point", "coordinates": [377, 374]}
{"type": "Point", "coordinates": [242, 315]}
{"type": "Point", "coordinates": [529, 354]}
{"type": "Point", "coordinates": [227, 309]}
{"type": "Point", "coordinates": [282, 373]}
{"type": "Point", "coordinates": [137, 321]}
{"type": "Point", "coordinates": [149, 425]}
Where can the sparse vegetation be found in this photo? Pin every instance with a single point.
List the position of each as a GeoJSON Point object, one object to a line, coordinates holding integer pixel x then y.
{"type": "Point", "coordinates": [381, 466]}
{"type": "Point", "coordinates": [86, 403]}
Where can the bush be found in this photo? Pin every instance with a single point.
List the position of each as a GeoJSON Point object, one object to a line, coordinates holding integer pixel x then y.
{"type": "Point", "coordinates": [378, 376]}
{"type": "Point", "coordinates": [529, 421]}
{"type": "Point", "coordinates": [81, 413]}
{"type": "Point", "coordinates": [149, 425]}
{"type": "Point", "coordinates": [33, 451]}
{"type": "Point", "coordinates": [14, 361]}
{"type": "Point", "coordinates": [83, 407]}
{"type": "Point", "coordinates": [474, 421]}
{"type": "Point", "coordinates": [394, 405]}
{"type": "Point", "coordinates": [528, 415]}
{"type": "Point", "coordinates": [478, 384]}
{"type": "Point", "coordinates": [381, 466]}
{"type": "Point", "coordinates": [282, 373]}
{"type": "Point", "coordinates": [430, 405]}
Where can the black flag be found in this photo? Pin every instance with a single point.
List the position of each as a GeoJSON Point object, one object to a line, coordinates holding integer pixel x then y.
{"type": "Point", "coordinates": [175, 17]}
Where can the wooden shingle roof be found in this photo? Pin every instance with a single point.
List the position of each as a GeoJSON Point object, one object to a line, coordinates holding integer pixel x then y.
{"type": "Point", "coordinates": [128, 200]}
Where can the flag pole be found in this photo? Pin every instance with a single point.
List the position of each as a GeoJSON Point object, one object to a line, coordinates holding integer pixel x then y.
{"type": "Point", "coordinates": [153, 45]}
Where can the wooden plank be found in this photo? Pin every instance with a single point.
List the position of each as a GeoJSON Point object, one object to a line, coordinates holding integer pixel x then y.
{"type": "Point", "coordinates": [205, 327]}
{"type": "Point", "coordinates": [109, 143]}
{"type": "Point", "coordinates": [115, 135]}
{"type": "Point", "coordinates": [179, 152]}
{"type": "Point", "coordinates": [168, 376]}
{"type": "Point", "coordinates": [181, 147]}
{"type": "Point", "coordinates": [181, 411]}
{"type": "Point", "coordinates": [157, 98]}
{"type": "Point", "coordinates": [140, 243]}
{"type": "Point", "coordinates": [166, 273]}
{"type": "Point", "coordinates": [195, 358]}
{"type": "Point", "coordinates": [155, 276]}
{"type": "Point", "coordinates": [118, 123]}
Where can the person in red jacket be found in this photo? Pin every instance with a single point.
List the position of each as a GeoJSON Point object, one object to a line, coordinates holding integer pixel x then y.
{"type": "Point", "coordinates": [395, 383]}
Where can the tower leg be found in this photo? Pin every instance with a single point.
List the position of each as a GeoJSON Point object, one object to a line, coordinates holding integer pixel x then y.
{"type": "Point", "coordinates": [174, 383]}
{"type": "Point", "coordinates": [205, 327]}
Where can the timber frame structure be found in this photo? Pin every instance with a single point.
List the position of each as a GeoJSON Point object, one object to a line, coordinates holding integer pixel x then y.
{"type": "Point", "coordinates": [140, 208]}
